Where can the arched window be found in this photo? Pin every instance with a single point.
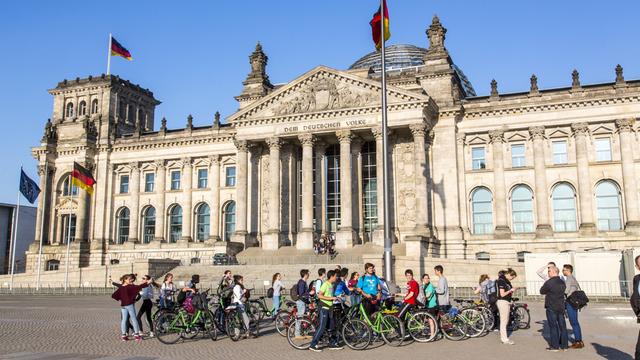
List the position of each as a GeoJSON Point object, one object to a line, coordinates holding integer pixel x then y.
{"type": "Point", "coordinates": [123, 218]}
{"type": "Point", "coordinates": [482, 211]}
{"type": "Point", "coordinates": [82, 108]}
{"type": "Point", "coordinates": [69, 110]}
{"type": "Point", "coordinates": [53, 265]}
{"type": "Point", "coordinates": [229, 215]}
{"type": "Point", "coordinates": [141, 119]}
{"type": "Point", "coordinates": [148, 224]}
{"type": "Point", "coordinates": [94, 106]}
{"type": "Point", "coordinates": [65, 187]}
{"type": "Point", "coordinates": [564, 208]}
{"type": "Point", "coordinates": [202, 222]}
{"type": "Point", "coordinates": [608, 203]}
{"type": "Point", "coordinates": [131, 114]}
{"type": "Point", "coordinates": [522, 209]}
{"type": "Point", "coordinates": [175, 223]}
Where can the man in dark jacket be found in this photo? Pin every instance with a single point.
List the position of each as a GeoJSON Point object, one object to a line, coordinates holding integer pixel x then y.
{"type": "Point", "coordinates": [553, 291]}
{"type": "Point", "coordinates": [635, 303]}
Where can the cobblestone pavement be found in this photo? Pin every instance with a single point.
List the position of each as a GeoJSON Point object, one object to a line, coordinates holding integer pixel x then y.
{"type": "Point", "coordinates": [87, 328]}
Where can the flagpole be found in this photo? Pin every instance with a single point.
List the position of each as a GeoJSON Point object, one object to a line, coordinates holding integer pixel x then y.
{"type": "Point", "coordinates": [16, 217]}
{"type": "Point", "coordinates": [109, 56]}
{"type": "Point", "coordinates": [388, 273]}
{"type": "Point", "coordinates": [66, 269]}
{"type": "Point", "coordinates": [42, 220]}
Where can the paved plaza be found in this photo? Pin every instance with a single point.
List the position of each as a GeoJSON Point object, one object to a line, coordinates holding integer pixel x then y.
{"type": "Point", "coordinates": [87, 328]}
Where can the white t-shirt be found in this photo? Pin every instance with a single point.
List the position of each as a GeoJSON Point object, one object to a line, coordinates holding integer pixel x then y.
{"type": "Point", "coordinates": [277, 287]}
{"type": "Point", "coordinates": [167, 290]}
{"type": "Point", "coordinates": [238, 295]}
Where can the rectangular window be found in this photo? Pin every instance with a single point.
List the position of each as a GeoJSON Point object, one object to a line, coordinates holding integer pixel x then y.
{"type": "Point", "coordinates": [603, 149]}
{"type": "Point", "coordinates": [517, 156]}
{"type": "Point", "coordinates": [230, 176]}
{"type": "Point", "coordinates": [124, 184]}
{"type": "Point", "coordinates": [560, 152]}
{"type": "Point", "coordinates": [175, 180]}
{"type": "Point", "coordinates": [478, 158]}
{"type": "Point", "coordinates": [203, 175]}
{"type": "Point", "coordinates": [149, 182]}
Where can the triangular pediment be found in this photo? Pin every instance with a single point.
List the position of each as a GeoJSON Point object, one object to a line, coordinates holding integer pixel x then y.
{"type": "Point", "coordinates": [517, 136]}
{"type": "Point", "coordinates": [559, 133]}
{"type": "Point", "coordinates": [324, 90]}
{"type": "Point", "coordinates": [602, 130]}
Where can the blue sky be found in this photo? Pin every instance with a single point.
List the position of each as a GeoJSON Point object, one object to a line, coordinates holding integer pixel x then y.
{"type": "Point", "coordinates": [194, 55]}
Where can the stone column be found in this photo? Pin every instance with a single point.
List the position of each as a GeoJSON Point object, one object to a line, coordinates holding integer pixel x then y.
{"type": "Point", "coordinates": [500, 197]}
{"type": "Point", "coordinates": [40, 214]}
{"type": "Point", "coordinates": [625, 132]}
{"type": "Point", "coordinates": [321, 186]}
{"type": "Point", "coordinates": [462, 187]}
{"type": "Point", "coordinates": [160, 188]}
{"type": "Point", "coordinates": [356, 208]}
{"type": "Point", "coordinates": [187, 209]}
{"type": "Point", "coordinates": [134, 211]}
{"type": "Point", "coordinates": [420, 158]}
{"type": "Point", "coordinates": [271, 240]}
{"type": "Point", "coordinates": [378, 234]}
{"type": "Point", "coordinates": [305, 237]}
{"type": "Point", "coordinates": [543, 228]}
{"type": "Point", "coordinates": [580, 132]}
{"type": "Point", "coordinates": [82, 216]}
{"type": "Point", "coordinates": [214, 217]}
{"type": "Point", "coordinates": [242, 172]}
{"type": "Point", "coordinates": [345, 234]}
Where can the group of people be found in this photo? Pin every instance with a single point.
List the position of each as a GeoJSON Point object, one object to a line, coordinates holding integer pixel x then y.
{"type": "Point", "coordinates": [326, 244]}
{"type": "Point", "coordinates": [127, 293]}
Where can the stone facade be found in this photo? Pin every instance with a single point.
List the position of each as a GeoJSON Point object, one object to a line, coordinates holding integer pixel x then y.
{"type": "Point", "coordinates": [472, 176]}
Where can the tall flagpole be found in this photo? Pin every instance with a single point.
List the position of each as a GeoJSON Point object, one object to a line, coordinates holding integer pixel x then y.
{"type": "Point", "coordinates": [109, 56]}
{"type": "Point", "coordinates": [42, 217]}
{"type": "Point", "coordinates": [385, 158]}
{"type": "Point", "coordinates": [16, 217]}
{"type": "Point", "coordinates": [66, 268]}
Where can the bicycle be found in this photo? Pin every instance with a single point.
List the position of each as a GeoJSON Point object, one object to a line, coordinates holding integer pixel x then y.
{"type": "Point", "coordinates": [384, 324]}
{"type": "Point", "coordinates": [473, 309]}
{"type": "Point", "coordinates": [520, 318]}
{"type": "Point", "coordinates": [173, 326]}
{"type": "Point", "coordinates": [235, 326]}
{"type": "Point", "coordinates": [259, 307]}
{"type": "Point", "coordinates": [419, 323]}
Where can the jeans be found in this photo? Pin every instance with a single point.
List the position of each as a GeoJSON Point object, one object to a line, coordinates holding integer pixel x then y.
{"type": "Point", "coordinates": [302, 308]}
{"type": "Point", "coordinates": [276, 304]}
{"type": "Point", "coordinates": [243, 313]}
{"type": "Point", "coordinates": [572, 313]}
{"type": "Point", "coordinates": [504, 310]}
{"type": "Point", "coordinates": [127, 312]}
{"type": "Point", "coordinates": [326, 321]}
{"type": "Point", "coordinates": [146, 308]}
{"type": "Point", "coordinates": [557, 330]}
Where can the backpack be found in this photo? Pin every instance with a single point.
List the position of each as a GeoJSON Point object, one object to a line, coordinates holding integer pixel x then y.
{"type": "Point", "coordinates": [188, 305]}
{"type": "Point", "coordinates": [492, 292]}
{"type": "Point", "coordinates": [182, 296]}
{"type": "Point", "coordinates": [270, 293]}
{"type": "Point", "coordinates": [293, 293]}
{"type": "Point", "coordinates": [578, 299]}
{"type": "Point", "coordinates": [199, 301]}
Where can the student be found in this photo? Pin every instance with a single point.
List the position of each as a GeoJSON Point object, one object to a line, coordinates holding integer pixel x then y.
{"type": "Point", "coordinates": [340, 286]}
{"type": "Point", "coordinates": [410, 297]}
{"type": "Point", "coordinates": [322, 273]}
{"type": "Point", "coordinates": [572, 313]}
{"type": "Point", "coordinates": [353, 281]}
{"type": "Point", "coordinates": [302, 290]}
{"type": "Point", "coordinates": [167, 291]}
{"type": "Point", "coordinates": [120, 284]}
{"type": "Point", "coordinates": [126, 294]}
{"type": "Point", "coordinates": [430, 301]}
{"type": "Point", "coordinates": [635, 302]}
{"type": "Point", "coordinates": [276, 284]}
{"type": "Point", "coordinates": [443, 289]}
{"type": "Point", "coordinates": [553, 291]}
{"type": "Point", "coordinates": [146, 295]}
{"type": "Point", "coordinates": [325, 301]}
{"type": "Point", "coordinates": [505, 293]}
{"type": "Point", "coordinates": [238, 299]}
{"type": "Point", "coordinates": [370, 289]}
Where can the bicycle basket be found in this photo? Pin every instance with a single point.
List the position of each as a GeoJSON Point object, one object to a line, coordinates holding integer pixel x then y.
{"type": "Point", "coordinates": [454, 311]}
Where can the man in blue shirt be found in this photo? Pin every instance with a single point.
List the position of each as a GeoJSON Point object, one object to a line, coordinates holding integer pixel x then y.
{"type": "Point", "coordinates": [369, 286]}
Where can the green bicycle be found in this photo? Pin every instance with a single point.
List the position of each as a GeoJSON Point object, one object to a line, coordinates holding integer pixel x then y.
{"type": "Point", "coordinates": [173, 326]}
{"type": "Point", "coordinates": [383, 324]}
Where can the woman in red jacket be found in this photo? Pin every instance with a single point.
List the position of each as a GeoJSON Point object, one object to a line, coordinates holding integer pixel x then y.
{"type": "Point", "coordinates": [126, 294]}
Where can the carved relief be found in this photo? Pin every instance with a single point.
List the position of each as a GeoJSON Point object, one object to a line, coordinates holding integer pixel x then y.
{"type": "Point", "coordinates": [264, 189]}
{"type": "Point", "coordinates": [307, 139]}
{"type": "Point", "coordinates": [625, 125]}
{"type": "Point", "coordinates": [496, 136]}
{"type": "Point", "coordinates": [537, 132]}
{"type": "Point", "coordinates": [405, 180]}
{"type": "Point", "coordinates": [580, 128]}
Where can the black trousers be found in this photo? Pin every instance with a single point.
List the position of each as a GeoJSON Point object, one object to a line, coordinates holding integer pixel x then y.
{"type": "Point", "coordinates": [638, 347]}
{"type": "Point", "coordinates": [146, 308]}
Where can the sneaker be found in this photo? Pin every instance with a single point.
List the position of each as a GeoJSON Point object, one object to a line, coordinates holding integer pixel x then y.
{"type": "Point", "coordinates": [124, 338]}
{"type": "Point", "coordinates": [335, 347]}
{"type": "Point", "coordinates": [138, 338]}
{"type": "Point", "coordinates": [553, 349]}
{"type": "Point", "coordinates": [151, 334]}
{"type": "Point", "coordinates": [315, 349]}
{"type": "Point", "coordinates": [508, 342]}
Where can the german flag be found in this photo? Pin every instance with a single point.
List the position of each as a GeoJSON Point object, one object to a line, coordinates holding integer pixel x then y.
{"type": "Point", "coordinates": [375, 25]}
{"type": "Point", "coordinates": [119, 50]}
{"type": "Point", "coordinates": [82, 178]}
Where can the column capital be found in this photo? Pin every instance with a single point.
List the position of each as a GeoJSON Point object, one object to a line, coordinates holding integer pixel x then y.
{"type": "Point", "coordinates": [159, 164]}
{"type": "Point", "coordinates": [241, 145]}
{"type": "Point", "coordinates": [461, 138]}
{"type": "Point", "coordinates": [377, 132]}
{"type": "Point", "coordinates": [496, 136]}
{"type": "Point", "coordinates": [537, 132]}
{"type": "Point", "coordinates": [625, 125]}
{"type": "Point", "coordinates": [307, 139]}
{"type": "Point", "coordinates": [418, 130]}
{"type": "Point", "coordinates": [187, 161]}
{"type": "Point", "coordinates": [580, 129]}
{"type": "Point", "coordinates": [214, 159]}
{"type": "Point", "coordinates": [344, 136]}
{"type": "Point", "coordinates": [274, 143]}
{"type": "Point", "coordinates": [135, 166]}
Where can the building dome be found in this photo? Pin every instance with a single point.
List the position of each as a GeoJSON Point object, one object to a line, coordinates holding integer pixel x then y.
{"type": "Point", "coordinates": [397, 57]}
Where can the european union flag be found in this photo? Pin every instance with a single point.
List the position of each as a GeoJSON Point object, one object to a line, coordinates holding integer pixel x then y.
{"type": "Point", "coordinates": [28, 187]}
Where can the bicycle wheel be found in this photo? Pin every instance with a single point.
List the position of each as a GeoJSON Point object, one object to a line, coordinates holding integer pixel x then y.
{"type": "Point", "coordinates": [489, 318]}
{"type": "Point", "coordinates": [422, 326]}
{"type": "Point", "coordinates": [392, 330]}
{"type": "Point", "coordinates": [524, 318]}
{"type": "Point", "coordinates": [168, 328]}
{"type": "Point", "coordinates": [356, 334]}
{"type": "Point", "coordinates": [451, 328]}
{"type": "Point", "coordinates": [475, 322]}
{"type": "Point", "coordinates": [219, 317]}
{"type": "Point", "coordinates": [210, 325]}
{"type": "Point", "coordinates": [301, 341]}
{"type": "Point", "coordinates": [255, 310]}
{"type": "Point", "coordinates": [234, 326]}
{"type": "Point", "coordinates": [283, 318]}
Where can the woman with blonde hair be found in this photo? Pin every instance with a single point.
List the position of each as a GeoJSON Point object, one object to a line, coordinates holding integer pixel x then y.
{"type": "Point", "coordinates": [276, 284]}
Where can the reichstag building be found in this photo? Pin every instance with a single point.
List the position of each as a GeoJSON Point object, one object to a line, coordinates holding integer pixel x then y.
{"type": "Point", "coordinates": [473, 177]}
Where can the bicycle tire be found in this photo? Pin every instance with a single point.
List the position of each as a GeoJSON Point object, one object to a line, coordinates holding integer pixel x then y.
{"type": "Point", "coordinates": [282, 321]}
{"type": "Point", "coordinates": [234, 326]}
{"type": "Point", "coordinates": [489, 318]}
{"type": "Point", "coordinates": [169, 328]}
{"type": "Point", "coordinates": [451, 328]}
{"type": "Point", "coordinates": [307, 331]}
{"type": "Point", "coordinates": [422, 326]}
{"type": "Point", "coordinates": [474, 321]}
{"type": "Point", "coordinates": [210, 325]}
{"type": "Point", "coordinates": [255, 310]}
{"type": "Point", "coordinates": [356, 334]}
{"type": "Point", "coordinates": [524, 317]}
{"type": "Point", "coordinates": [392, 330]}
{"type": "Point", "coordinates": [221, 325]}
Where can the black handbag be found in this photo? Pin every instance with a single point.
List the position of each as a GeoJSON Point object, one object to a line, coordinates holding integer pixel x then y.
{"type": "Point", "coordinates": [578, 299]}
